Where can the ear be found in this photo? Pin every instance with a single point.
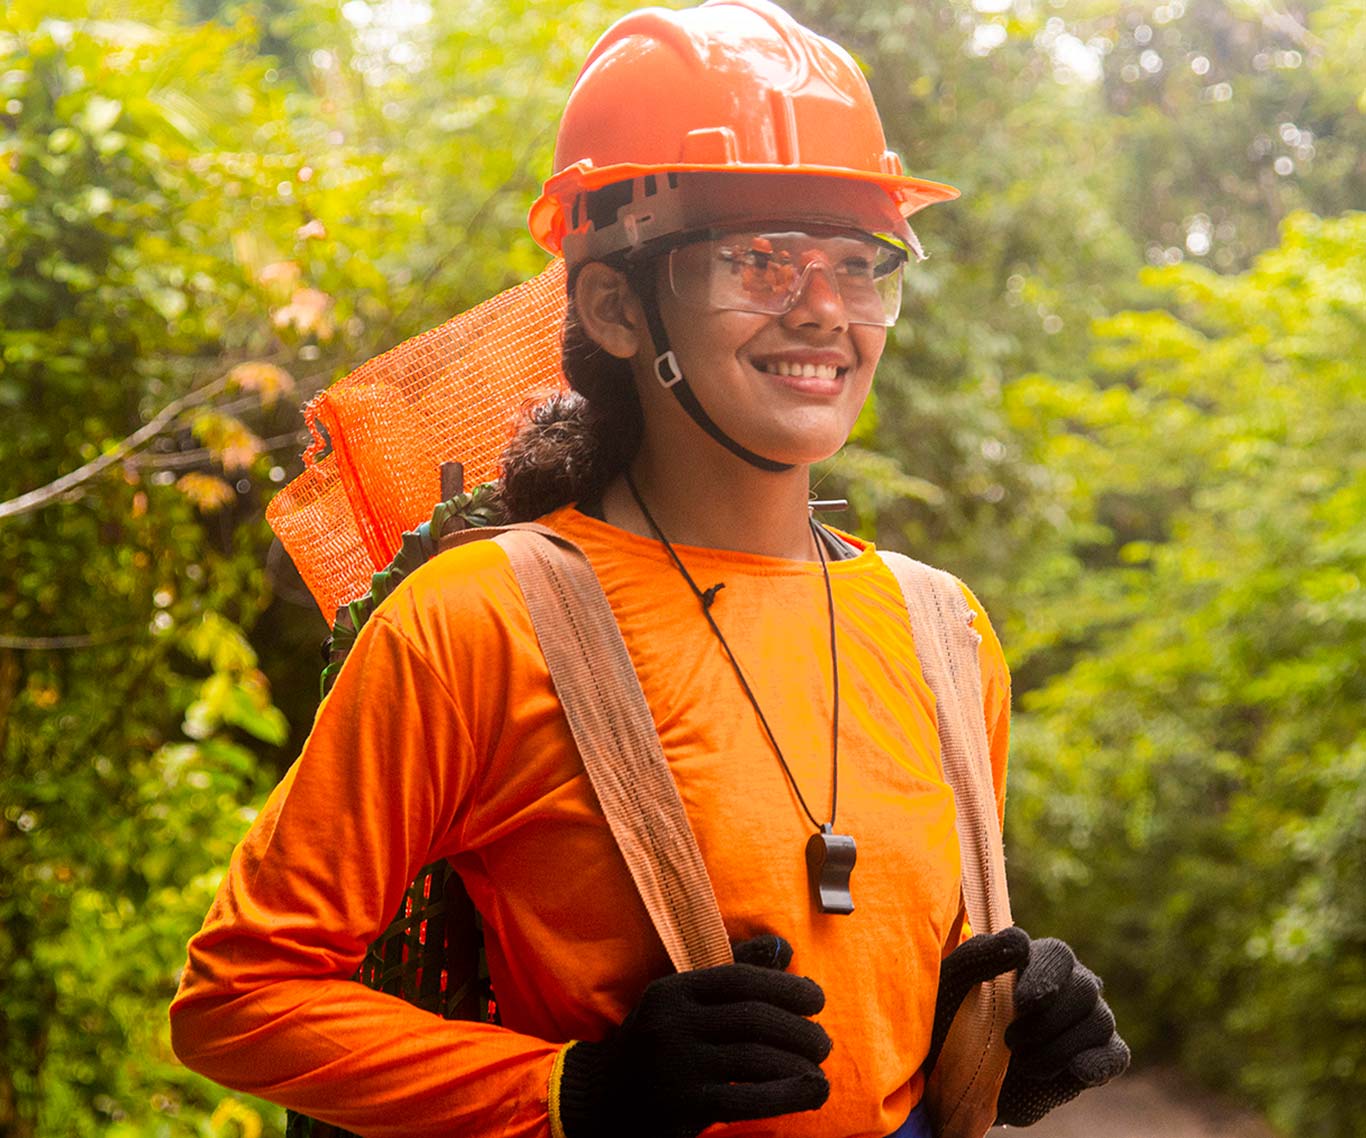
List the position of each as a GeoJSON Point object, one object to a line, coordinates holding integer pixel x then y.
{"type": "Point", "coordinates": [609, 309]}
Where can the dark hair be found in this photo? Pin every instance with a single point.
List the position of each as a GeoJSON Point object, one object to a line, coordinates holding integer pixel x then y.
{"type": "Point", "coordinates": [569, 446]}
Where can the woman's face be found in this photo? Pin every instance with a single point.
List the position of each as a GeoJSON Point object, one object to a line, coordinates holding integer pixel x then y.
{"type": "Point", "coordinates": [788, 387]}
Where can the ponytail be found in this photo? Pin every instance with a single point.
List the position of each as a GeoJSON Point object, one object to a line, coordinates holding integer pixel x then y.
{"type": "Point", "coordinates": [569, 446]}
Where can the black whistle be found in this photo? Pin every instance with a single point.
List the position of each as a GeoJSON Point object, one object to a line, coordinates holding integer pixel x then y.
{"type": "Point", "coordinates": [829, 862]}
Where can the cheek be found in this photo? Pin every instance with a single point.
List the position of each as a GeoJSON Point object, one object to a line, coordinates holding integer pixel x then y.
{"type": "Point", "coordinates": [726, 334]}
{"type": "Point", "coordinates": [707, 341]}
{"type": "Point", "coordinates": [869, 341]}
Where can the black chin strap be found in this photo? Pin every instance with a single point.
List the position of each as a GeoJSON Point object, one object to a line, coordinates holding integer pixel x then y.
{"type": "Point", "coordinates": [670, 375]}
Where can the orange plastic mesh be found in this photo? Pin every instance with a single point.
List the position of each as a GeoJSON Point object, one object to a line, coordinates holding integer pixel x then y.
{"type": "Point", "coordinates": [449, 394]}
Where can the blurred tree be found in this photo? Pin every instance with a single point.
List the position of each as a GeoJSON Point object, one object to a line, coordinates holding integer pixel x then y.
{"type": "Point", "coordinates": [139, 372]}
{"type": "Point", "coordinates": [1190, 786]}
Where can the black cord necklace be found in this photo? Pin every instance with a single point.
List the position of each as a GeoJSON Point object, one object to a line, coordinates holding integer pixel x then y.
{"type": "Point", "coordinates": [829, 856]}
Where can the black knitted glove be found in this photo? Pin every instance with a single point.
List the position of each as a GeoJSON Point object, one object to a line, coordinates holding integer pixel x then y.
{"type": "Point", "coordinates": [1063, 1039]}
{"type": "Point", "coordinates": [765, 951]}
{"type": "Point", "coordinates": [716, 1045]}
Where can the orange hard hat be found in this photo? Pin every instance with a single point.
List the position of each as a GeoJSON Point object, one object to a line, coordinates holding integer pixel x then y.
{"type": "Point", "coordinates": [734, 86]}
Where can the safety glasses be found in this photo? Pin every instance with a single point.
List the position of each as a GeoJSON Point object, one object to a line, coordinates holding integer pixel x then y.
{"type": "Point", "coordinates": [767, 272]}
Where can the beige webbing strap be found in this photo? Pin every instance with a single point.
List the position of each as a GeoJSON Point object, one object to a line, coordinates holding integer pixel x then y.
{"type": "Point", "coordinates": [616, 737]}
{"type": "Point", "coordinates": [963, 1087]}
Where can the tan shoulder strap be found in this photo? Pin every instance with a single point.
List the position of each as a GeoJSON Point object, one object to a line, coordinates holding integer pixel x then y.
{"type": "Point", "coordinates": [947, 646]}
{"type": "Point", "coordinates": [964, 1085]}
{"type": "Point", "coordinates": [616, 736]}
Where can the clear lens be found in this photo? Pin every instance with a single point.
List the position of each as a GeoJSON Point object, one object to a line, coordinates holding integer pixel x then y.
{"type": "Point", "coordinates": [767, 273]}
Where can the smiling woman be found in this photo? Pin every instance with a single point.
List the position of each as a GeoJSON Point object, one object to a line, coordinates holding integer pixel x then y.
{"type": "Point", "coordinates": [734, 232]}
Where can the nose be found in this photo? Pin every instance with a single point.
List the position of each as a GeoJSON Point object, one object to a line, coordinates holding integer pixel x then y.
{"type": "Point", "coordinates": [818, 304]}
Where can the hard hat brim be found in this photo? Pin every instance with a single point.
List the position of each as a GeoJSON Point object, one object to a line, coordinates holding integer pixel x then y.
{"type": "Point", "coordinates": [546, 219]}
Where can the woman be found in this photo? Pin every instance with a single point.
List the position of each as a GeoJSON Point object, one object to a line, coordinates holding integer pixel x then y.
{"type": "Point", "coordinates": [735, 233]}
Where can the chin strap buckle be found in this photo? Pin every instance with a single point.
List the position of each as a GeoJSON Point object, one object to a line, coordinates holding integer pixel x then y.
{"type": "Point", "coordinates": [667, 370]}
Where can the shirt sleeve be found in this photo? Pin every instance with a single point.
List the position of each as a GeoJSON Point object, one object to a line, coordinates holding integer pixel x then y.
{"type": "Point", "coordinates": [266, 1004]}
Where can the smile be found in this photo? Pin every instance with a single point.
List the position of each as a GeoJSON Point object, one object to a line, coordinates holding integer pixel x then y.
{"type": "Point", "coordinates": [800, 371]}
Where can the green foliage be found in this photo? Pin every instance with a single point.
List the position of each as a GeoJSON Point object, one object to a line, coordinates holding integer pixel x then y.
{"type": "Point", "coordinates": [133, 713]}
{"type": "Point", "coordinates": [1189, 799]}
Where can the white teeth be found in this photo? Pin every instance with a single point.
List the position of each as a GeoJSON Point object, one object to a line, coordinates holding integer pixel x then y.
{"type": "Point", "coordinates": [800, 371]}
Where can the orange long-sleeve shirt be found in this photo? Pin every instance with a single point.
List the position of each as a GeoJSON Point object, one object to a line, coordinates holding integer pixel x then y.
{"type": "Point", "coordinates": [443, 738]}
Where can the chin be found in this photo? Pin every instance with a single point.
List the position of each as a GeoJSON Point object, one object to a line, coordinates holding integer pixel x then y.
{"type": "Point", "coordinates": [802, 450]}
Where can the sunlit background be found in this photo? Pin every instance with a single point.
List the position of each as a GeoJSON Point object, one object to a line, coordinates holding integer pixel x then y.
{"type": "Point", "coordinates": [1124, 402]}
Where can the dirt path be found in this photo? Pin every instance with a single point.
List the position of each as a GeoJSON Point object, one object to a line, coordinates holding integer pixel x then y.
{"type": "Point", "coordinates": [1149, 1104]}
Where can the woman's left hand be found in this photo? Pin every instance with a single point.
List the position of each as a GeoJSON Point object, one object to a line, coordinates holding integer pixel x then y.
{"type": "Point", "coordinates": [1063, 1039]}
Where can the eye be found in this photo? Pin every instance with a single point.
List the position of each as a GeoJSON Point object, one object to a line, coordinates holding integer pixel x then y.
{"type": "Point", "coordinates": [857, 268]}
{"type": "Point", "coordinates": [742, 259]}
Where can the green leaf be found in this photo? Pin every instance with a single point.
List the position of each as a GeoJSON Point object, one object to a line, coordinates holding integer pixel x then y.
{"type": "Point", "coordinates": [99, 114]}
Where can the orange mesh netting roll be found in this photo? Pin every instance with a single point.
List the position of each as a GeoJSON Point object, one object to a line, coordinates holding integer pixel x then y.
{"type": "Point", "coordinates": [449, 394]}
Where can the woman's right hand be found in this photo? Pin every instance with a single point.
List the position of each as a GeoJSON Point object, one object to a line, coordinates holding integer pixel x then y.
{"type": "Point", "coordinates": [715, 1045]}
